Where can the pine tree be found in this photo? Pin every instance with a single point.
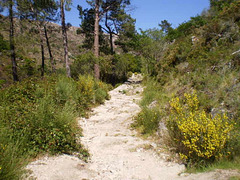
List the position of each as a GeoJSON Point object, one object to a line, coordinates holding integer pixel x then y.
{"type": "Point", "coordinates": [63, 4]}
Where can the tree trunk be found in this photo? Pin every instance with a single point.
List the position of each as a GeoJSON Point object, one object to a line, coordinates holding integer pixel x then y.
{"type": "Point", "coordinates": [65, 41]}
{"type": "Point", "coordinates": [12, 46]}
{"type": "Point", "coordinates": [49, 50]}
{"type": "Point", "coordinates": [111, 42]}
{"type": "Point", "coordinates": [42, 49]}
{"type": "Point", "coordinates": [96, 39]}
{"type": "Point", "coordinates": [110, 34]}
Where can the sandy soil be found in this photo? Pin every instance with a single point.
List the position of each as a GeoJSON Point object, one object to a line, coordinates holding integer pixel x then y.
{"type": "Point", "coordinates": [116, 152]}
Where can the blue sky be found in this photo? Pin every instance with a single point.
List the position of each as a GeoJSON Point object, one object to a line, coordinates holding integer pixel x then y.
{"type": "Point", "coordinates": [149, 13]}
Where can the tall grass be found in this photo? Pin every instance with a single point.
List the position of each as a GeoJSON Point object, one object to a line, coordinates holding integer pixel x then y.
{"type": "Point", "coordinates": [12, 158]}
{"type": "Point", "coordinates": [147, 121]}
{"type": "Point", "coordinates": [39, 116]}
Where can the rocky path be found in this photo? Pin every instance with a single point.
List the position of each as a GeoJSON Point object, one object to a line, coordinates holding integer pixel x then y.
{"type": "Point", "coordinates": [116, 152]}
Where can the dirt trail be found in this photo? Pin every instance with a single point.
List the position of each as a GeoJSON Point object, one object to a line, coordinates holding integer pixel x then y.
{"type": "Point", "coordinates": [116, 152]}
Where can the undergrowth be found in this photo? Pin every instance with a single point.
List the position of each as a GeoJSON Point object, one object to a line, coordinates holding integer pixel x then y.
{"type": "Point", "coordinates": [39, 116]}
{"type": "Point", "coordinates": [201, 54]}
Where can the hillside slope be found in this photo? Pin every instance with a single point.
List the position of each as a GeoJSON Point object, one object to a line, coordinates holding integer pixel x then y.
{"type": "Point", "coordinates": [194, 89]}
{"type": "Point", "coordinates": [28, 44]}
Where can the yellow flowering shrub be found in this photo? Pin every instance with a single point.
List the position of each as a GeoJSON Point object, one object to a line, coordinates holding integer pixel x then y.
{"type": "Point", "coordinates": [198, 135]}
{"type": "Point", "coordinates": [92, 90]}
{"type": "Point", "coordinates": [86, 85]}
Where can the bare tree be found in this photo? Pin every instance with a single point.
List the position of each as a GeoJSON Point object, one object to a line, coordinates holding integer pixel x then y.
{"type": "Point", "coordinates": [49, 49]}
{"type": "Point", "coordinates": [12, 46]}
{"type": "Point", "coordinates": [64, 35]}
{"type": "Point", "coordinates": [96, 39]}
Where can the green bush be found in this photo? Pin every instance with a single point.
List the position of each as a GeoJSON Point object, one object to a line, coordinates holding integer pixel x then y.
{"type": "Point", "coordinates": [147, 121]}
{"type": "Point", "coordinates": [93, 90]}
{"type": "Point", "coordinates": [151, 92]}
{"type": "Point", "coordinates": [186, 28]}
{"type": "Point", "coordinates": [40, 115]}
{"type": "Point", "coordinates": [3, 44]}
{"type": "Point", "coordinates": [83, 64]}
{"type": "Point", "coordinates": [207, 65]}
{"type": "Point", "coordinates": [27, 68]}
{"type": "Point", "coordinates": [113, 68]}
{"type": "Point", "coordinates": [33, 107]}
{"type": "Point", "coordinates": [12, 159]}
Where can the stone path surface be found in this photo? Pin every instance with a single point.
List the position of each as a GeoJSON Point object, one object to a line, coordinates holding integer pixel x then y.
{"type": "Point", "coordinates": [116, 152]}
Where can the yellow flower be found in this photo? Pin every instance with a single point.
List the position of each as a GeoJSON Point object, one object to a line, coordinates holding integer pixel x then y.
{"type": "Point", "coordinates": [201, 134]}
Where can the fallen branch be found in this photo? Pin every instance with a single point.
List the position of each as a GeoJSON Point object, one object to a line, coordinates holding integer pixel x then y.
{"type": "Point", "coordinates": [236, 52]}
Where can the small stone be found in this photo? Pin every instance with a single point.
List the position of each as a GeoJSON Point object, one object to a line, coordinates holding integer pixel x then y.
{"type": "Point", "coordinates": [184, 174]}
{"type": "Point", "coordinates": [154, 145]}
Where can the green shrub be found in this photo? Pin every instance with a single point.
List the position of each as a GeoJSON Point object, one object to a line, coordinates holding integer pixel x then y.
{"type": "Point", "coordinates": [83, 64]}
{"type": "Point", "coordinates": [186, 28]}
{"type": "Point", "coordinates": [113, 68]}
{"type": "Point", "coordinates": [93, 90]}
{"type": "Point", "coordinates": [2, 82]}
{"type": "Point", "coordinates": [199, 137]}
{"type": "Point", "coordinates": [33, 107]}
{"type": "Point", "coordinates": [39, 116]}
{"type": "Point", "coordinates": [206, 65]}
{"type": "Point", "coordinates": [12, 160]}
{"type": "Point", "coordinates": [147, 121]}
{"type": "Point", "coordinates": [3, 44]}
{"type": "Point", "coordinates": [27, 67]}
{"type": "Point", "coordinates": [100, 95]}
{"type": "Point", "coordinates": [151, 92]}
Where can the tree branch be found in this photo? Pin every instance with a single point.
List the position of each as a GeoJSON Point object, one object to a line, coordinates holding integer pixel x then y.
{"type": "Point", "coordinates": [236, 52]}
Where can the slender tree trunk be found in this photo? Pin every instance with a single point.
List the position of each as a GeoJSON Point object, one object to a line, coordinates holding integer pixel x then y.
{"type": "Point", "coordinates": [110, 34]}
{"type": "Point", "coordinates": [96, 39]}
{"type": "Point", "coordinates": [111, 42]}
{"type": "Point", "coordinates": [65, 41]}
{"type": "Point", "coordinates": [49, 49]}
{"type": "Point", "coordinates": [12, 46]}
{"type": "Point", "coordinates": [43, 59]}
{"type": "Point", "coordinates": [42, 50]}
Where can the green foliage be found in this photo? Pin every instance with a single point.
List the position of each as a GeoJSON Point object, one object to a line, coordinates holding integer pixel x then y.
{"type": "Point", "coordinates": [126, 31]}
{"type": "Point", "coordinates": [124, 63]}
{"type": "Point", "coordinates": [83, 64]}
{"type": "Point", "coordinates": [2, 82]}
{"type": "Point", "coordinates": [39, 116]}
{"type": "Point", "coordinates": [221, 164]}
{"type": "Point", "coordinates": [150, 45]}
{"type": "Point", "coordinates": [186, 28]}
{"type": "Point", "coordinates": [219, 5]}
{"type": "Point", "coordinates": [151, 92]}
{"type": "Point", "coordinates": [165, 26]}
{"type": "Point", "coordinates": [205, 63]}
{"type": "Point", "coordinates": [12, 160]}
{"type": "Point", "coordinates": [114, 68]}
{"type": "Point", "coordinates": [87, 28]}
{"type": "Point", "coordinates": [3, 44]}
{"type": "Point", "coordinates": [147, 121]}
{"type": "Point", "coordinates": [27, 68]}
{"type": "Point", "coordinates": [93, 90]}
